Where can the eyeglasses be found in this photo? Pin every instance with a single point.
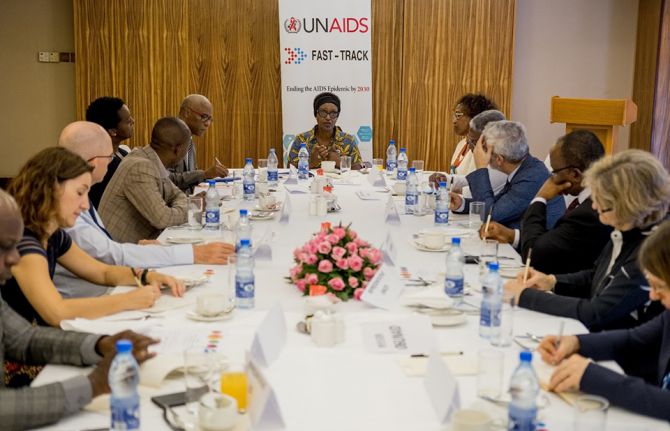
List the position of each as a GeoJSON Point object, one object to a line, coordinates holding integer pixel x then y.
{"type": "Point", "coordinates": [457, 115]}
{"type": "Point", "coordinates": [324, 114]}
{"type": "Point", "coordinates": [555, 171]}
{"type": "Point", "coordinates": [204, 117]}
{"type": "Point", "coordinates": [100, 157]}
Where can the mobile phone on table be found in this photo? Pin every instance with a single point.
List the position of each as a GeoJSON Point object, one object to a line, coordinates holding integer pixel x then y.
{"type": "Point", "coordinates": [471, 259]}
{"type": "Point", "coordinates": [170, 400]}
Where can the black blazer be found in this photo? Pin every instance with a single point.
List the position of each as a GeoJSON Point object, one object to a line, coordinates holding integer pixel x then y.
{"type": "Point", "coordinates": [572, 245]}
{"type": "Point", "coordinates": [597, 298]}
{"type": "Point", "coordinates": [647, 347]}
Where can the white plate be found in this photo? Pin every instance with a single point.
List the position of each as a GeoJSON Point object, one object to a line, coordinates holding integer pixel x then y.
{"type": "Point", "coordinates": [509, 272]}
{"type": "Point", "coordinates": [183, 240]}
{"type": "Point", "coordinates": [449, 231]}
{"type": "Point", "coordinates": [261, 215]}
{"type": "Point", "coordinates": [448, 319]}
{"type": "Point", "coordinates": [195, 316]}
{"type": "Point", "coordinates": [193, 282]}
{"type": "Point", "coordinates": [422, 247]}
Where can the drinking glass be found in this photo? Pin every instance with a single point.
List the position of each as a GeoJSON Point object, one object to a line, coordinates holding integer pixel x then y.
{"type": "Point", "coordinates": [196, 375]}
{"type": "Point", "coordinates": [234, 383]}
{"type": "Point", "coordinates": [262, 170]}
{"type": "Point", "coordinates": [490, 373]}
{"type": "Point", "coordinates": [378, 164]}
{"type": "Point", "coordinates": [590, 413]}
{"type": "Point", "coordinates": [489, 253]}
{"type": "Point", "coordinates": [345, 164]}
{"type": "Point", "coordinates": [195, 204]}
{"type": "Point", "coordinates": [418, 166]}
{"type": "Point", "coordinates": [477, 214]}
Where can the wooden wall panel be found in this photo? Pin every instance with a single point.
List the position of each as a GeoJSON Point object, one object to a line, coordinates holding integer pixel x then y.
{"type": "Point", "coordinates": [660, 137]}
{"type": "Point", "coordinates": [451, 47]}
{"type": "Point", "coordinates": [648, 25]}
{"type": "Point", "coordinates": [425, 53]}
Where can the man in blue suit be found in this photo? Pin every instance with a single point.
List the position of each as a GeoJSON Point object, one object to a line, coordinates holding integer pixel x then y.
{"type": "Point", "coordinates": [504, 147]}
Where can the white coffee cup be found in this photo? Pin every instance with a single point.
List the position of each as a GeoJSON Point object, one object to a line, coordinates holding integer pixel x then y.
{"type": "Point", "coordinates": [323, 329]}
{"type": "Point", "coordinates": [399, 188]}
{"type": "Point", "coordinates": [432, 240]}
{"type": "Point", "coordinates": [268, 202]}
{"type": "Point", "coordinates": [328, 166]}
{"type": "Point", "coordinates": [470, 420]}
{"type": "Point", "coordinates": [211, 304]}
{"type": "Point", "coordinates": [217, 412]}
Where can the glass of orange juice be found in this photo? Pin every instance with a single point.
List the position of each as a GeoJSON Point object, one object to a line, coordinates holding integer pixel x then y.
{"type": "Point", "coordinates": [234, 383]}
{"type": "Point", "coordinates": [378, 164]}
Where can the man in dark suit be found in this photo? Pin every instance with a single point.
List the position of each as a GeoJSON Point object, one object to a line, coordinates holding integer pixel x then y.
{"type": "Point", "coordinates": [578, 237]}
{"type": "Point", "coordinates": [20, 341]}
{"type": "Point", "coordinates": [504, 147]}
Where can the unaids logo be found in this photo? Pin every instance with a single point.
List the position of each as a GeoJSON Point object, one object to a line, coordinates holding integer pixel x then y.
{"type": "Point", "coordinates": [295, 56]}
{"type": "Point", "coordinates": [292, 25]}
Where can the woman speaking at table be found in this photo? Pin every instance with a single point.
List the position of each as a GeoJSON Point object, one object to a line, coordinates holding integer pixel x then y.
{"type": "Point", "coordinates": [52, 190]}
{"type": "Point", "coordinates": [630, 191]}
{"type": "Point", "coordinates": [326, 141]}
{"type": "Point", "coordinates": [643, 352]}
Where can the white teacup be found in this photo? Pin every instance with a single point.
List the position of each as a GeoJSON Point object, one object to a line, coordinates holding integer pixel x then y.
{"type": "Point", "coordinates": [399, 188]}
{"type": "Point", "coordinates": [211, 304]}
{"type": "Point", "coordinates": [328, 166]}
{"type": "Point", "coordinates": [432, 240]}
{"type": "Point", "coordinates": [217, 412]}
{"type": "Point", "coordinates": [267, 202]}
{"type": "Point", "coordinates": [470, 420]}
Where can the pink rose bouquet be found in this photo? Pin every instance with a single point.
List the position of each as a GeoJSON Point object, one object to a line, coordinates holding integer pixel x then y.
{"type": "Point", "coordinates": [337, 259]}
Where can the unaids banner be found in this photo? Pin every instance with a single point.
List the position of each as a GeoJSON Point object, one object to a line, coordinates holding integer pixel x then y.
{"type": "Point", "coordinates": [326, 46]}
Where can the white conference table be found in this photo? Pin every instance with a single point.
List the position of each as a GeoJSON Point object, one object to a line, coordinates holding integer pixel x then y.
{"type": "Point", "coordinates": [345, 387]}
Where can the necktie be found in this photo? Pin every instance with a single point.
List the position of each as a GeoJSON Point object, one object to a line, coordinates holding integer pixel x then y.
{"type": "Point", "coordinates": [91, 211]}
{"type": "Point", "coordinates": [574, 204]}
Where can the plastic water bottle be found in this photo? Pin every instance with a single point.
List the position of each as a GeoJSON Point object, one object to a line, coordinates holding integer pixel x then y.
{"type": "Point", "coordinates": [523, 389]}
{"type": "Point", "coordinates": [249, 180]}
{"type": "Point", "coordinates": [243, 228]}
{"type": "Point", "coordinates": [273, 173]}
{"type": "Point", "coordinates": [303, 163]}
{"type": "Point", "coordinates": [123, 378]}
{"type": "Point", "coordinates": [412, 193]}
{"type": "Point", "coordinates": [453, 279]}
{"type": "Point", "coordinates": [402, 165]}
{"type": "Point", "coordinates": [391, 157]}
{"type": "Point", "coordinates": [244, 276]}
{"type": "Point", "coordinates": [212, 212]}
{"type": "Point", "coordinates": [489, 318]}
{"type": "Point", "coordinates": [442, 205]}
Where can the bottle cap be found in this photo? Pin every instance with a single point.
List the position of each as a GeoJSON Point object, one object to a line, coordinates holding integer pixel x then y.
{"type": "Point", "coordinates": [211, 182]}
{"type": "Point", "coordinates": [456, 241]}
{"type": "Point", "coordinates": [493, 266]}
{"type": "Point", "coordinates": [243, 212]}
{"type": "Point", "coordinates": [272, 150]}
{"type": "Point", "coordinates": [248, 160]}
{"type": "Point", "coordinates": [526, 356]}
{"type": "Point", "coordinates": [244, 242]}
{"type": "Point", "coordinates": [412, 170]}
{"type": "Point", "coordinates": [302, 145]}
{"type": "Point", "coordinates": [402, 150]}
{"type": "Point", "coordinates": [124, 346]}
{"type": "Point", "coordinates": [392, 142]}
{"type": "Point", "coordinates": [443, 184]}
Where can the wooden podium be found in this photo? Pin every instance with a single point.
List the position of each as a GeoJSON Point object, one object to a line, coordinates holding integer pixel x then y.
{"type": "Point", "coordinates": [600, 116]}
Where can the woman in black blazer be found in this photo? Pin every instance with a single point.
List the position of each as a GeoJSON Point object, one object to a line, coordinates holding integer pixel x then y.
{"type": "Point", "coordinates": [643, 352]}
{"type": "Point", "coordinates": [630, 191]}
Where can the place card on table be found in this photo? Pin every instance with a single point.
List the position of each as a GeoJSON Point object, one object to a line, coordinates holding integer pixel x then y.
{"type": "Point", "coordinates": [388, 250]}
{"type": "Point", "coordinates": [264, 409]}
{"type": "Point", "coordinates": [442, 388]}
{"type": "Point", "coordinates": [270, 337]}
{"type": "Point", "coordinates": [368, 196]}
{"type": "Point", "coordinates": [292, 176]}
{"type": "Point", "coordinates": [384, 288]}
{"type": "Point", "coordinates": [391, 214]}
{"type": "Point", "coordinates": [263, 250]}
{"type": "Point", "coordinates": [375, 178]}
{"type": "Point", "coordinates": [285, 209]}
{"type": "Point", "coordinates": [409, 336]}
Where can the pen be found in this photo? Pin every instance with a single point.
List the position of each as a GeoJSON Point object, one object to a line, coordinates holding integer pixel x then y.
{"type": "Point", "coordinates": [561, 326]}
{"type": "Point", "coordinates": [525, 271]}
{"type": "Point", "coordinates": [218, 162]}
{"type": "Point", "coordinates": [421, 355]}
{"type": "Point", "coordinates": [138, 282]}
{"type": "Point", "coordinates": [488, 220]}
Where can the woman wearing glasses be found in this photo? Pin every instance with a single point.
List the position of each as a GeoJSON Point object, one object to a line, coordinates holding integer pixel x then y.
{"type": "Point", "coordinates": [326, 141]}
{"type": "Point", "coordinates": [630, 191]}
{"type": "Point", "coordinates": [642, 352]}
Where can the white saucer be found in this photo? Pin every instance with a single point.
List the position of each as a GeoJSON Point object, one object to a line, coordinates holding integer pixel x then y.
{"type": "Point", "coordinates": [193, 282]}
{"type": "Point", "coordinates": [195, 316]}
{"type": "Point", "coordinates": [509, 272]}
{"type": "Point", "coordinates": [261, 215]}
{"type": "Point", "coordinates": [448, 319]}
{"type": "Point", "coordinates": [183, 240]}
{"type": "Point", "coordinates": [422, 247]}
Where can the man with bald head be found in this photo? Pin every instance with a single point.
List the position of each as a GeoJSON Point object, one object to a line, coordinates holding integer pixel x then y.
{"type": "Point", "coordinates": [196, 112]}
{"type": "Point", "coordinates": [140, 200]}
{"type": "Point", "coordinates": [20, 341]}
{"type": "Point", "coordinates": [88, 140]}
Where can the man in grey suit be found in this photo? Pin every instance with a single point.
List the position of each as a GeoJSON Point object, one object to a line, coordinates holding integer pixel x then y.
{"type": "Point", "coordinates": [196, 112]}
{"type": "Point", "coordinates": [20, 341]}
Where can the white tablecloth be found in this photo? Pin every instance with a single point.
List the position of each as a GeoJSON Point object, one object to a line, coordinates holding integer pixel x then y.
{"type": "Point", "coordinates": [346, 387]}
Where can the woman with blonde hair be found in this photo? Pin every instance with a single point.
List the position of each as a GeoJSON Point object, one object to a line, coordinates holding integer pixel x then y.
{"type": "Point", "coordinates": [642, 352]}
{"type": "Point", "coordinates": [630, 191]}
{"type": "Point", "coordinates": [52, 190]}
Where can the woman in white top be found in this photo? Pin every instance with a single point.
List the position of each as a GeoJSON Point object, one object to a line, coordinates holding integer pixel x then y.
{"type": "Point", "coordinates": [467, 107]}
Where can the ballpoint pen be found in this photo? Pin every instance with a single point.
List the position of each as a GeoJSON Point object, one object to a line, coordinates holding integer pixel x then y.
{"type": "Point", "coordinates": [525, 271]}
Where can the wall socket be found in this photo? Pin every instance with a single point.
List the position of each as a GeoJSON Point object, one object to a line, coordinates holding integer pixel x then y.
{"type": "Point", "coordinates": [55, 57]}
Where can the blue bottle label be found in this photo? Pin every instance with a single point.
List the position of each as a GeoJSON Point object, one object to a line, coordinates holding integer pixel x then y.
{"type": "Point", "coordinates": [522, 419]}
{"type": "Point", "coordinates": [391, 165]}
{"type": "Point", "coordinates": [244, 288]}
{"type": "Point", "coordinates": [125, 414]}
{"type": "Point", "coordinates": [402, 175]}
{"type": "Point", "coordinates": [249, 188]}
{"type": "Point", "coordinates": [490, 314]}
{"type": "Point", "coordinates": [441, 216]}
{"type": "Point", "coordinates": [453, 286]}
{"type": "Point", "coordinates": [411, 199]}
{"type": "Point", "coordinates": [273, 175]}
{"type": "Point", "coordinates": [212, 216]}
